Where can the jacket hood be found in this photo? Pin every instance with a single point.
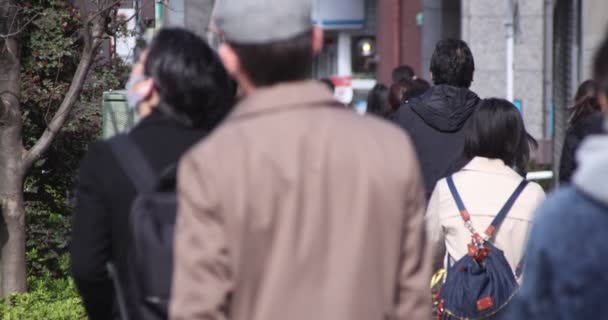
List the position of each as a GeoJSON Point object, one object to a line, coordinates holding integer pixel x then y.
{"type": "Point", "coordinates": [592, 173]}
{"type": "Point", "coordinates": [445, 108]}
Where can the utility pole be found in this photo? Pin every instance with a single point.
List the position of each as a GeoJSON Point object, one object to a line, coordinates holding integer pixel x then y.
{"type": "Point", "coordinates": [510, 47]}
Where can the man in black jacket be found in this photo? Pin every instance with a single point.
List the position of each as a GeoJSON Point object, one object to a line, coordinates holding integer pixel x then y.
{"type": "Point", "coordinates": [435, 120]}
{"type": "Point", "coordinates": [182, 91]}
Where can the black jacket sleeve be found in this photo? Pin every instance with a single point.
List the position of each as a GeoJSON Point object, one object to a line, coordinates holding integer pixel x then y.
{"type": "Point", "coordinates": [567, 164]}
{"type": "Point", "coordinates": [91, 242]}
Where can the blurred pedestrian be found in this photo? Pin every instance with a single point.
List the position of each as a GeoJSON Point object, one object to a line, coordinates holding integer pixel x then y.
{"type": "Point", "coordinates": [419, 87]}
{"type": "Point", "coordinates": [378, 101]}
{"type": "Point", "coordinates": [435, 120]}
{"type": "Point", "coordinates": [586, 119]}
{"type": "Point", "coordinates": [181, 90]}
{"type": "Point", "coordinates": [285, 211]}
{"type": "Point", "coordinates": [404, 90]}
{"type": "Point", "coordinates": [497, 147]}
{"type": "Point", "coordinates": [329, 84]}
{"type": "Point", "coordinates": [403, 73]}
{"type": "Point", "coordinates": [566, 256]}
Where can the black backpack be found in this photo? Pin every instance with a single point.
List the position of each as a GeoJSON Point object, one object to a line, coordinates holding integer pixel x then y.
{"type": "Point", "coordinates": [151, 224]}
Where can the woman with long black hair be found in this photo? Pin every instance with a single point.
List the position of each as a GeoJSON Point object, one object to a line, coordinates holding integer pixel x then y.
{"type": "Point", "coordinates": [586, 119]}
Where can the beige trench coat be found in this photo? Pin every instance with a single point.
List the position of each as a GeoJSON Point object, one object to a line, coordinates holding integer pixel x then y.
{"type": "Point", "coordinates": [296, 209]}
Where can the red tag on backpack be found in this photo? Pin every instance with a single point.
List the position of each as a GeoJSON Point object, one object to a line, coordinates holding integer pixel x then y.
{"type": "Point", "coordinates": [484, 303]}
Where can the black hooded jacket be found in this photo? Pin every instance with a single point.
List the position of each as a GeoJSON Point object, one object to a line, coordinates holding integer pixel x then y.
{"type": "Point", "coordinates": [435, 122]}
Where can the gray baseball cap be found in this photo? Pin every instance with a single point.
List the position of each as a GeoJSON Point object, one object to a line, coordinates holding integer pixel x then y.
{"type": "Point", "coordinates": [262, 21]}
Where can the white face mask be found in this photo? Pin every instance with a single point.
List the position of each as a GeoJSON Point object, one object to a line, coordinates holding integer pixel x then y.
{"type": "Point", "coordinates": [134, 98]}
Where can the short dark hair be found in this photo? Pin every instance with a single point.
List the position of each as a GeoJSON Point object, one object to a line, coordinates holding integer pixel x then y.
{"type": "Point", "coordinates": [452, 63]}
{"type": "Point", "coordinates": [193, 86]}
{"type": "Point", "coordinates": [419, 87]}
{"type": "Point", "coordinates": [600, 68]}
{"type": "Point", "coordinates": [496, 130]}
{"type": "Point", "coordinates": [403, 73]}
{"type": "Point", "coordinates": [280, 61]}
{"type": "Point", "coordinates": [378, 100]}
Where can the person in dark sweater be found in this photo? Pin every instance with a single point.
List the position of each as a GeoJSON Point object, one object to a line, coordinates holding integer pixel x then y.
{"type": "Point", "coordinates": [435, 120]}
{"type": "Point", "coordinates": [586, 119]}
{"type": "Point", "coordinates": [182, 91]}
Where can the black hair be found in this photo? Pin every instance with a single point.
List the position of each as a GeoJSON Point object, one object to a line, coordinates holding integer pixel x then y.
{"type": "Point", "coordinates": [329, 84]}
{"type": "Point", "coordinates": [404, 90]}
{"type": "Point", "coordinates": [416, 88]}
{"type": "Point", "coordinates": [378, 100]}
{"type": "Point", "coordinates": [276, 62]}
{"type": "Point", "coordinates": [402, 73]}
{"type": "Point", "coordinates": [585, 101]}
{"type": "Point", "coordinates": [600, 68]}
{"type": "Point", "coordinates": [496, 130]}
{"type": "Point", "coordinates": [194, 88]}
{"type": "Point", "coordinates": [452, 63]}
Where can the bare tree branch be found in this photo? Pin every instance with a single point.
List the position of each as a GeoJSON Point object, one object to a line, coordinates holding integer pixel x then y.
{"type": "Point", "coordinates": [62, 113]}
{"type": "Point", "coordinates": [92, 34]}
{"type": "Point", "coordinates": [12, 34]}
{"type": "Point", "coordinates": [102, 11]}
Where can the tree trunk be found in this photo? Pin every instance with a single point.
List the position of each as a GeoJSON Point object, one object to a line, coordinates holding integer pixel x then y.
{"type": "Point", "coordinates": [14, 159]}
{"type": "Point", "coordinates": [13, 242]}
{"type": "Point", "coordinates": [12, 227]}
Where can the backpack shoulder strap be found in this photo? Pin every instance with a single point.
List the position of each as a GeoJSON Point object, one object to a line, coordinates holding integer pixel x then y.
{"type": "Point", "coordinates": [502, 214]}
{"type": "Point", "coordinates": [133, 162]}
{"type": "Point", "coordinates": [455, 194]}
{"type": "Point", "coordinates": [464, 213]}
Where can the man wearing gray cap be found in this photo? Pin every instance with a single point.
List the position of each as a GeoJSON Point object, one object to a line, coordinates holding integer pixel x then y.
{"type": "Point", "coordinates": [296, 208]}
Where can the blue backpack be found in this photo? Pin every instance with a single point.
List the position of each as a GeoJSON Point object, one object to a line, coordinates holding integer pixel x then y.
{"type": "Point", "coordinates": [482, 283]}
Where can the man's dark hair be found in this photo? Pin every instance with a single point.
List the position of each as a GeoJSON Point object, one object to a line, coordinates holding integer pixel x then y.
{"type": "Point", "coordinates": [403, 73]}
{"type": "Point", "coordinates": [280, 61]}
{"type": "Point", "coordinates": [600, 68]}
{"type": "Point", "coordinates": [452, 63]}
{"type": "Point", "coordinates": [193, 85]}
{"type": "Point", "coordinates": [496, 131]}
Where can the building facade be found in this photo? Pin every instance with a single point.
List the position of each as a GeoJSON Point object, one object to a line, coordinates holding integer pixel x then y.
{"type": "Point", "coordinates": [532, 52]}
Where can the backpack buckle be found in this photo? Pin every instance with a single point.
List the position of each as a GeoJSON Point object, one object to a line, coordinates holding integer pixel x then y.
{"type": "Point", "coordinates": [477, 252]}
{"type": "Point", "coordinates": [481, 255]}
{"type": "Point", "coordinates": [472, 249]}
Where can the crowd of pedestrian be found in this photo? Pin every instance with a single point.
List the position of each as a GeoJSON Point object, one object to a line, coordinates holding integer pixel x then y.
{"type": "Point", "coordinates": [248, 192]}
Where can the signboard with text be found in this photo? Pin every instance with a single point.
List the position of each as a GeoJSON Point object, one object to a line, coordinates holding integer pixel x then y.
{"type": "Point", "coordinates": [339, 14]}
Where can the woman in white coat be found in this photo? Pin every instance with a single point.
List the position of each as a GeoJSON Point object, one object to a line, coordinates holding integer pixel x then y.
{"type": "Point", "coordinates": [497, 147]}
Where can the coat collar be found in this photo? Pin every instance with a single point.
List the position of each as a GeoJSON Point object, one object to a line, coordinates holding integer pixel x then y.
{"type": "Point", "coordinates": [299, 94]}
{"type": "Point", "coordinates": [494, 166]}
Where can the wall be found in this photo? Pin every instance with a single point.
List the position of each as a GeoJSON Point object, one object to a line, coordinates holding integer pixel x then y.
{"type": "Point", "coordinates": [594, 27]}
{"type": "Point", "coordinates": [194, 15]}
{"type": "Point", "coordinates": [398, 36]}
{"type": "Point", "coordinates": [483, 27]}
{"type": "Point", "coordinates": [441, 21]}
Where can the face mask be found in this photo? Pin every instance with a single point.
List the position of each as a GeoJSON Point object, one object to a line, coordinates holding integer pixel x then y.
{"type": "Point", "coordinates": [134, 98]}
